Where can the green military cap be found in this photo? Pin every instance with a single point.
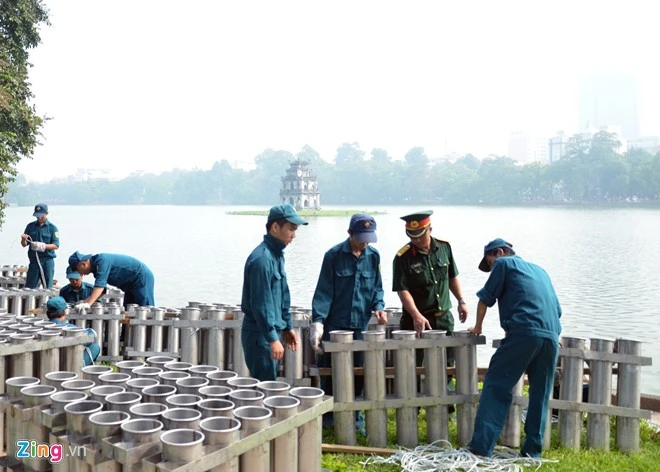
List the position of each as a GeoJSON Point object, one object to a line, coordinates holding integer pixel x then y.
{"type": "Point", "coordinates": [417, 223]}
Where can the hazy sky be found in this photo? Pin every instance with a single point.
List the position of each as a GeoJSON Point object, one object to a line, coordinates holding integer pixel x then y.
{"type": "Point", "coordinates": [153, 85]}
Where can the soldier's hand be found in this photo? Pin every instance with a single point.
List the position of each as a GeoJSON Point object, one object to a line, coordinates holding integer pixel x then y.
{"type": "Point", "coordinates": [462, 312]}
{"type": "Point", "coordinates": [421, 324]}
{"type": "Point", "coordinates": [381, 316]}
{"type": "Point", "coordinates": [276, 350]}
{"type": "Point", "coordinates": [476, 330]}
{"type": "Point", "coordinates": [291, 339]}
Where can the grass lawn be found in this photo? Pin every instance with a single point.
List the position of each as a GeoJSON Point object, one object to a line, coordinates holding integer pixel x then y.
{"type": "Point", "coordinates": [647, 459]}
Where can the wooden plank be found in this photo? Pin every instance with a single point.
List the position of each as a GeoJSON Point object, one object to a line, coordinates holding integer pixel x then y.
{"type": "Point", "coordinates": [212, 456]}
{"type": "Point", "coordinates": [176, 355]}
{"type": "Point", "coordinates": [392, 344]}
{"type": "Point", "coordinates": [367, 451]}
{"type": "Point", "coordinates": [420, 401]}
{"type": "Point", "coordinates": [389, 371]}
{"type": "Point", "coordinates": [88, 317]}
{"type": "Point", "coordinates": [34, 346]}
{"type": "Point", "coordinates": [589, 355]}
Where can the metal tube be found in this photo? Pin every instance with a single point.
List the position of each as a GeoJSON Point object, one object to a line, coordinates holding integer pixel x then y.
{"type": "Point", "coordinates": [572, 370]}
{"type": "Point", "coordinates": [49, 361]}
{"type": "Point", "coordinates": [220, 431]}
{"type": "Point", "coordinates": [510, 435]}
{"type": "Point", "coordinates": [113, 332]}
{"type": "Point", "coordinates": [374, 389]}
{"type": "Point", "coordinates": [343, 388]}
{"type": "Point", "coordinates": [435, 382]}
{"type": "Point", "coordinates": [215, 354]}
{"type": "Point", "coordinates": [253, 419]}
{"type": "Point", "coordinates": [628, 395]}
{"type": "Point", "coordinates": [77, 417]}
{"type": "Point", "coordinates": [309, 434]}
{"type": "Point", "coordinates": [158, 314]}
{"type": "Point", "coordinates": [216, 407]}
{"type": "Point", "coordinates": [184, 417]}
{"type": "Point", "coordinates": [190, 337]}
{"type": "Point", "coordinates": [284, 448]}
{"type": "Point", "coordinates": [98, 326]}
{"type": "Point", "coordinates": [22, 365]}
{"type": "Point", "coordinates": [173, 336]}
{"type": "Point", "coordinates": [405, 387]}
{"type": "Point", "coordinates": [466, 384]}
{"type": "Point", "coordinates": [140, 331]}
{"type": "Point", "coordinates": [182, 445]}
{"type": "Point", "coordinates": [238, 356]}
{"type": "Point", "coordinates": [600, 392]}
{"type": "Point", "coordinates": [293, 360]}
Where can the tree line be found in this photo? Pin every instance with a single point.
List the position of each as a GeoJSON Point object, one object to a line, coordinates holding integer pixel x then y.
{"type": "Point", "coordinates": [592, 171]}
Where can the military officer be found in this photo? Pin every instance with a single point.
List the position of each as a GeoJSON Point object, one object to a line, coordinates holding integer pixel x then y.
{"type": "Point", "coordinates": [424, 273]}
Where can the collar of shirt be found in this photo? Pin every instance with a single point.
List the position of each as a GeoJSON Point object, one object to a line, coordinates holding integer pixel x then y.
{"type": "Point", "coordinates": [274, 244]}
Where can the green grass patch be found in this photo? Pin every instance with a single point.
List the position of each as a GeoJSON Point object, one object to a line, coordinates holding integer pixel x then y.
{"type": "Point", "coordinates": [647, 459]}
{"type": "Point", "coordinates": [309, 212]}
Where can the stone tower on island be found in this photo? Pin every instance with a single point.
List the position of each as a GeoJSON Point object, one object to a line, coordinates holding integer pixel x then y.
{"type": "Point", "coordinates": [300, 188]}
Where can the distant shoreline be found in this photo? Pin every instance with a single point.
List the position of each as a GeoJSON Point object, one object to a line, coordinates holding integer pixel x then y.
{"type": "Point", "coordinates": [308, 212]}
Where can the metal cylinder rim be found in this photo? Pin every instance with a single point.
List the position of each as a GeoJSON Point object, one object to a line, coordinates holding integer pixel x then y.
{"type": "Point", "coordinates": [206, 424]}
{"type": "Point", "coordinates": [198, 437]}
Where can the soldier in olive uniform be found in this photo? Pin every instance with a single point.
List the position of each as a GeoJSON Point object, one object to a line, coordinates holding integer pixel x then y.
{"type": "Point", "coordinates": [424, 274]}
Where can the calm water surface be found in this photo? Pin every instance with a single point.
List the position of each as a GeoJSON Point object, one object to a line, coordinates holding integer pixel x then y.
{"type": "Point", "coordinates": [603, 261]}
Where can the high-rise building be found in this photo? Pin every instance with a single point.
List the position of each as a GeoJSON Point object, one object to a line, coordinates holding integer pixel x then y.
{"type": "Point", "coordinates": [526, 147]}
{"type": "Point", "coordinates": [611, 99]}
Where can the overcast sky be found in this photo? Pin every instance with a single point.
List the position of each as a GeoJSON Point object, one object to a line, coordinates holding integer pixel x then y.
{"type": "Point", "coordinates": [153, 85]}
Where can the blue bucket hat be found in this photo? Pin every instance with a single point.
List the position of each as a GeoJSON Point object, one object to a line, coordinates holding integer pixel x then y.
{"type": "Point", "coordinates": [77, 257]}
{"type": "Point", "coordinates": [56, 304]}
{"type": "Point", "coordinates": [285, 212]}
{"type": "Point", "coordinates": [72, 274]}
{"type": "Point", "coordinates": [494, 244]}
{"type": "Point", "coordinates": [363, 227]}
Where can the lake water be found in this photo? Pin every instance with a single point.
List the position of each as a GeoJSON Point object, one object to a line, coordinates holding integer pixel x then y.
{"type": "Point", "coordinates": [603, 261]}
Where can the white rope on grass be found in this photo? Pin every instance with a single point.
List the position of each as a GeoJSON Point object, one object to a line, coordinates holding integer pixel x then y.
{"type": "Point", "coordinates": [440, 455]}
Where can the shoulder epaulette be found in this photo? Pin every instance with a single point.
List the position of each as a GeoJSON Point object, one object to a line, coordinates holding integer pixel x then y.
{"type": "Point", "coordinates": [403, 250]}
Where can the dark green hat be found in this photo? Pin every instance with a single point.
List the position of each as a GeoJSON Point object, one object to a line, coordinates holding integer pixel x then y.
{"type": "Point", "coordinates": [417, 223]}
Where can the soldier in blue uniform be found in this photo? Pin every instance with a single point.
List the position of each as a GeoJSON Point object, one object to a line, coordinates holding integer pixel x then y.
{"type": "Point", "coordinates": [124, 272]}
{"type": "Point", "coordinates": [266, 300]}
{"type": "Point", "coordinates": [76, 290]}
{"type": "Point", "coordinates": [43, 240]}
{"type": "Point", "coordinates": [56, 310]}
{"type": "Point", "coordinates": [348, 291]}
{"type": "Point", "coordinates": [529, 315]}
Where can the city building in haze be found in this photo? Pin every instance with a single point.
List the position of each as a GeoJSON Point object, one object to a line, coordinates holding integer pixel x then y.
{"type": "Point", "coordinates": [525, 148]}
{"type": "Point", "coordinates": [610, 100]}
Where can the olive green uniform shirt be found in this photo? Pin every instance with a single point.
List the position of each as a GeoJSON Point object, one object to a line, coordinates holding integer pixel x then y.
{"type": "Point", "coordinates": [426, 277]}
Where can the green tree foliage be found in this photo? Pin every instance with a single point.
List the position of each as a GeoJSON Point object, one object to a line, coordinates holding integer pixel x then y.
{"type": "Point", "coordinates": [19, 122]}
{"type": "Point", "coordinates": [592, 171]}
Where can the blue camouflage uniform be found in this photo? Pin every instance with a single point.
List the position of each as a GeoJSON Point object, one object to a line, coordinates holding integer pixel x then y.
{"type": "Point", "coordinates": [71, 296]}
{"type": "Point", "coordinates": [126, 273]}
{"type": "Point", "coordinates": [266, 303]}
{"type": "Point", "coordinates": [529, 314]}
{"type": "Point", "coordinates": [49, 234]}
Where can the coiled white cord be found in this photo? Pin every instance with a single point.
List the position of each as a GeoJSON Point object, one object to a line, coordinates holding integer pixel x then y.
{"type": "Point", "coordinates": [440, 455]}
